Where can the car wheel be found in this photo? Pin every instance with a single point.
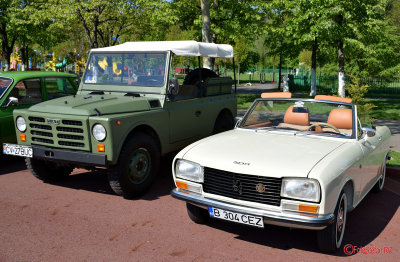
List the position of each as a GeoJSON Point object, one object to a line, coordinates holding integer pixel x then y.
{"type": "Point", "coordinates": [381, 182]}
{"type": "Point", "coordinates": [197, 214]}
{"type": "Point", "coordinates": [136, 168]}
{"type": "Point", "coordinates": [330, 239]}
{"type": "Point", "coordinates": [223, 123]}
{"type": "Point", "coordinates": [47, 171]}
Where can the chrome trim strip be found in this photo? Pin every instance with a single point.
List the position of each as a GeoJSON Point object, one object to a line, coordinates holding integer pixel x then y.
{"type": "Point", "coordinates": [270, 217]}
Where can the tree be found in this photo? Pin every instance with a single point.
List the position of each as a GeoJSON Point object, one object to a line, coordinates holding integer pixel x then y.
{"type": "Point", "coordinates": [206, 30]}
{"type": "Point", "coordinates": [241, 51]}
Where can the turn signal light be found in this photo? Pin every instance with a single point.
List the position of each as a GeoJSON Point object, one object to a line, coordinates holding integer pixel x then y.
{"type": "Point", "coordinates": [308, 208]}
{"type": "Point", "coordinates": [101, 148]}
{"type": "Point", "coordinates": [182, 185]}
{"type": "Point", "coordinates": [22, 137]}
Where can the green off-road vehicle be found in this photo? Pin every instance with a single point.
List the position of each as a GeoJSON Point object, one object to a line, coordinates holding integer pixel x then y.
{"type": "Point", "coordinates": [128, 111]}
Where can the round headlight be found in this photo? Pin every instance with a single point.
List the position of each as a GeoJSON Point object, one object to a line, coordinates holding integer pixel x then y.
{"type": "Point", "coordinates": [99, 132]}
{"type": "Point", "coordinates": [21, 124]}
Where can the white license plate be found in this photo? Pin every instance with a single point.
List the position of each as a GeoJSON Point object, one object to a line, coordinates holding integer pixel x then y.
{"type": "Point", "coordinates": [17, 150]}
{"type": "Point", "coordinates": [236, 217]}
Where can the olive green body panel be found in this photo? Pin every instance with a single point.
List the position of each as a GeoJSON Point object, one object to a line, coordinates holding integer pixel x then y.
{"type": "Point", "coordinates": [174, 126]}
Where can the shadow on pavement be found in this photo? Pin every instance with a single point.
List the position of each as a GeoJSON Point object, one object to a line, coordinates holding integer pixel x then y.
{"type": "Point", "coordinates": [97, 181]}
{"type": "Point", "coordinates": [11, 164]}
{"type": "Point", "coordinates": [364, 224]}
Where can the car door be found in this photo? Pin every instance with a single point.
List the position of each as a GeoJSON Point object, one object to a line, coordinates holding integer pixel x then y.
{"type": "Point", "coordinates": [185, 112]}
{"type": "Point", "coordinates": [58, 86]}
{"type": "Point", "coordinates": [370, 143]}
{"type": "Point", "coordinates": [28, 92]}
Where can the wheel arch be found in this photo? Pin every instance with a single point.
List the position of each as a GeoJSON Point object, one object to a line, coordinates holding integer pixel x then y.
{"type": "Point", "coordinates": [348, 188]}
{"type": "Point", "coordinates": [224, 112]}
{"type": "Point", "coordinates": [142, 128]}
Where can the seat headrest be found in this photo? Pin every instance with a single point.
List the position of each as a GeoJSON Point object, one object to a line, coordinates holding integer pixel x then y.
{"type": "Point", "coordinates": [276, 95]}
{"type": "Point", "coordinates": [296, 118]}
{"type": "Point", "coordinates": [341, 118]}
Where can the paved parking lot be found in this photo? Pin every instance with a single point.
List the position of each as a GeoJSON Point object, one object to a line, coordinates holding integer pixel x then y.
{"type": "Point", "coordinates": [80, 219]}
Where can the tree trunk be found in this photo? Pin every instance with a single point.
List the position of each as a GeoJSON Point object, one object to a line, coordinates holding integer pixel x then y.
{"type": "Point", "coordinates": [313, 91]}
{"type": "Point", "coordinates": [280, 72]}
{"type": "Point", "coordinates": [206, 30]}
{"type": "Point", "coordinates": [341, 78]}
{"type": "Point", "coordinates": [238, 79]}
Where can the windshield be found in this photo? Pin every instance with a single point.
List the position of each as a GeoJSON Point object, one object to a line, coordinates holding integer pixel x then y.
{"type": "Point", "coordinates": [4, 84]}
{"type": "Point", "coordinates": [316, 117]}
{"type": "Point", "coordinates": [130, 69]}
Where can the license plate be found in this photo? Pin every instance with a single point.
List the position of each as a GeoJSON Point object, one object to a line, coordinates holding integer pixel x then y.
{"type": "Point", "coordinates": [236, 217]}
{"type": "Point", "coordinates": [17, 150]}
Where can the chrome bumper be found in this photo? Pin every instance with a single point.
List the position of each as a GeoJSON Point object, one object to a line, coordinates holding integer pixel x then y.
{"type": "Point", "coordinates": [280, 219]}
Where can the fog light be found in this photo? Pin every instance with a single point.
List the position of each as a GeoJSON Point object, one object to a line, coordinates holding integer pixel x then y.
{"type": "Point", "coordinates": [101, 148]}
{"type": "Point", "coordinates": [22, 137]}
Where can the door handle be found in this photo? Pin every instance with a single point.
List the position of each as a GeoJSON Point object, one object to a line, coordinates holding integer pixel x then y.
{"type": "Point", "coordinates": [197, 113]}
{"type": "Point", "coordinates": [380, 138]}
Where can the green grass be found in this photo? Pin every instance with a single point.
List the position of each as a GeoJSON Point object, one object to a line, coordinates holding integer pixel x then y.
{"type": "Point", "coordinates": [244, 101]}
{"type": "Point", "coordinates": [395, 161]}
{"type": "Point", "coordinates": [385, 109]}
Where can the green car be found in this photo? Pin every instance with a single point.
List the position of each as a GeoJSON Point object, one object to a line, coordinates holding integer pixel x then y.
{"type": "Point", "coordinates": [22, 89]}
{"type": "Point", "coordinates": [130, 110]}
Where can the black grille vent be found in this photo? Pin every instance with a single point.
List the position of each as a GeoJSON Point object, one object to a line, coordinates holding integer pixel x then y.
{"type": "Point", "coordinates": [154, 103]}
{"type": "Point", "coordinates": [41, 133]}
{"type": "Point", "coordinates": [73, 144]}
{"type": "Point", "coordinates": [36, 119]}
{"type": "Point", "coordinates": [72, 122]}
{"type": "Point", "coordinates": [69, 129]}
{"type": "Point", "coordinates": [72, 137]}
{"type": "Point", "coordinates": [222, 183]}
{"type": "Point", "coordinates": [42, 140]}
{"type": "Point", "coordinates": [37, 126]}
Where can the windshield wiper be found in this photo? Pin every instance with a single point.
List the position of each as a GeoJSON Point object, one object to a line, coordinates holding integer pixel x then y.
{"type": "Point", "coordinates": [329, 132]}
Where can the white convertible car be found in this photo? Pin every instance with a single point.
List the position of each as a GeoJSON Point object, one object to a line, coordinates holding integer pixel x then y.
{"type": "Point", "coordinates": [300, 163]}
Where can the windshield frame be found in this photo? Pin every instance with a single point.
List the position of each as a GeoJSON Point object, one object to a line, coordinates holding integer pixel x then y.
{"type": "Point", "coordinates": [7, 88]}
{"type": "Point", "coordinates": [353, 108]}
{"type": "Point", "coordinates": [125, 88]}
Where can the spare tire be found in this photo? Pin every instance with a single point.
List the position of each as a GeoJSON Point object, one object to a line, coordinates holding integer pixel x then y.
{"type": "Point", "coordinates": [194, 76]}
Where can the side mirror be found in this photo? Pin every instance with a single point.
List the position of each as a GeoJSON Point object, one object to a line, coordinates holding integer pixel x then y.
{"type": "Point", "coordinates": [369, 132]}
{"type": "Point", "coordinates": [238, 120]}
{"type": "Point", "coordinates": [12, 101]}
{"type": "Point", "coordinates": [173, 86]}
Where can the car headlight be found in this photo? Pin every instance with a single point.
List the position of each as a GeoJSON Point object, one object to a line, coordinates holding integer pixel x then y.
{"type": "Point", "coordinates": [189, 170]}
{"type": "Point", "coordinates": [21, 124]}
{"type": "Point", "coordinates": [99, 132]}
{"type": "Point", "coordinates": [303, 189]}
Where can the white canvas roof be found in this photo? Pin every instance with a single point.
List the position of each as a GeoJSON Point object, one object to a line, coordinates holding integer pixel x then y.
{"type": "Point", "coordinates": [181, 48]}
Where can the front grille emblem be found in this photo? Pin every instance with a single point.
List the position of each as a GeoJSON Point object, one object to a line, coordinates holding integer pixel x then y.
{"type": "Point", "coordinates": [260, 188]}
{"type": "Point", "coordinates": [237, 186]}
{"type": "Point", "coordinates": [52, 121]}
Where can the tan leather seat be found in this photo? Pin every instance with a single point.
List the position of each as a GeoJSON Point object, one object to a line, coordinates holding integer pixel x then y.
{"type": "Point", "coordinates": [296, 120]}
{"type": "Point", "coordinates": [342, 119]}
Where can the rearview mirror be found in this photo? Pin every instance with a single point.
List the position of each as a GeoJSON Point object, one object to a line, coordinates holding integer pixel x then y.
{"type": "Point", "coordinates": [238, 120]}
{"type": "Point", "coordinates": [173, 86]}
{"type": "Point", "coordinates": [12, 101]}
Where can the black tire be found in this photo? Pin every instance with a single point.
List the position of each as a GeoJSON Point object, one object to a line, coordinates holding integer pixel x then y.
{"type": "Point", "coordinates": [223, 123]}
{"type": "Point", "coordinates": [197, 214]}
{"type": "Point", "coordinates": [137, 166]}
{"type": "Point", "coordinates": [194, 76]}
{"type": "Point", "coordinates": [381, 182]}
{"type": "Point", "coordinates": [47, 171]}
{"type": "Point", "coordinates": [330, 239]}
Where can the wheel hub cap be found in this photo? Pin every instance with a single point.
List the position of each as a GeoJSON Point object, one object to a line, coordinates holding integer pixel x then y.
{"type": "Point", "coordinates": [139, 166]}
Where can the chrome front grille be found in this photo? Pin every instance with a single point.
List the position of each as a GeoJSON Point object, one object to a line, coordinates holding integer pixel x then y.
{"type": "Point", "coordinates": [242, 187]}
{"type": "Point", "coordinates": [65, 133]}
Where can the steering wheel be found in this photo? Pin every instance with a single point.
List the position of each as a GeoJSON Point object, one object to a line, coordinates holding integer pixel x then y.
{"type": "Point", "coordinates": [323, 124]}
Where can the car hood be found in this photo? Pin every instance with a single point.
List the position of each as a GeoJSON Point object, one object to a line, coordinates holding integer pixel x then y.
{"type": "Point", "coordinates": [90, 105]}
{"type": "Point", "coordinates": [262, 153]}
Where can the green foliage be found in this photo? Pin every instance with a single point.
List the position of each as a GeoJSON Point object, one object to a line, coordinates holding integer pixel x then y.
{"type": "Point", "coordinates": [357, 91]}
{"type": "Point", "coordinates": [395, 159]}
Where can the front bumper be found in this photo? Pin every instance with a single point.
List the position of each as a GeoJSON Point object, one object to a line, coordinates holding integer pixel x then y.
{"type": "Point", "coordinates": [69, 156]}
{"type": "Point", "coordinates": [269, 217]}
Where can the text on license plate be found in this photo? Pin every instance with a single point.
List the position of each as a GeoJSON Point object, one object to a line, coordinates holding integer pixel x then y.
{"type": "Point", "coordinates": [236, 217]}
{"type": "Point", "coordinates": [17, 150]}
